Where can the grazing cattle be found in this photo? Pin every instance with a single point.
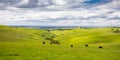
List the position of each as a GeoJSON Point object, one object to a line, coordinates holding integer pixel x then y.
{"type": "Point", "coordinates": [71, 45]}
{"type": "Point", "coordinates": [100, 47]}
{"type": "Point", "coordinates": [86, 45]}
{"type": "Point", "coordinates": [43, 42]}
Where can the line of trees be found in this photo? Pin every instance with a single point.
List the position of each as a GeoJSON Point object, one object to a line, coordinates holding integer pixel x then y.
{"type": "Point", "coordinates": [116, 30]}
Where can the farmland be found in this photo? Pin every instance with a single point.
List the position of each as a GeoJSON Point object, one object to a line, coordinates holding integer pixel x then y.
{"type": "Point", "coordinates": [27, 44]}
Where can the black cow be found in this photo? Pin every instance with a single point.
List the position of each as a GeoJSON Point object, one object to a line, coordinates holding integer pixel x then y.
{"type": "Point", "coordinates": [43, 42]}
{"type": "Point", "coordinates": [100, 47]}
{"type": "Point", "coordinates": [86, 45]}
{"type": "Point", "coordinates": [71, 45]}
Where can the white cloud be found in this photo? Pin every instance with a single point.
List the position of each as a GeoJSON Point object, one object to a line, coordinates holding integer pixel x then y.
{"type": "Point", "coordinates": [97, 16]}
{"type": "Point", "coordinates": [23, 2]}
{"type": "Point", "coordinates": [47, 14]}
{"type": "Point", "coordinates": [59, 2]}
{"type": "Point", "coordinates": [44, 18]}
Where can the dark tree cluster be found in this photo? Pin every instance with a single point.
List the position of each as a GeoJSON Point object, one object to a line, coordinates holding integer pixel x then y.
{"type": "Point", "coordinates": [115, 30]}
{"type": "Point", "coordinates": [54, 42]}
{"type": "Point", "coordinates": [49, 38]}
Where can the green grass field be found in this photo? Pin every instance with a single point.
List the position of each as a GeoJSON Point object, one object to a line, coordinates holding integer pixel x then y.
{"type": "Point", "coordinates": [27, 44]}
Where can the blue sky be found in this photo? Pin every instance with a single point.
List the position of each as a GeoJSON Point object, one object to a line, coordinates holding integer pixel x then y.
{"type": "Point", "coordinates": [60, 12]}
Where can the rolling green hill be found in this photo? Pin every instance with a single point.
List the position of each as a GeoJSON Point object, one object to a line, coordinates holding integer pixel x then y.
{"type": "Point", "coordinates": [27, 44]}
{"type": "Point", "coordinates": [88, 36]}
{"type": "Point", "coordinates": [12, 34]}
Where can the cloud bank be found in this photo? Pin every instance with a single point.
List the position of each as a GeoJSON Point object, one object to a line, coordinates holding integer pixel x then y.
{"type": "Point", "coordinates": [60, 12]}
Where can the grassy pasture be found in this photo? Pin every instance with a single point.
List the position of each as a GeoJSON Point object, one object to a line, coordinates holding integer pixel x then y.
{"type": "Point", "coordinates": [26, 44]}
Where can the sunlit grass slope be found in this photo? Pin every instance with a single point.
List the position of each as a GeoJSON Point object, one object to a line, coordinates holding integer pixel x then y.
{"type": "Point", "coordinates": [88, 36]}
{"type": "Point", "coordinates": [26, 44]}
{"type": "Point", "coordinates": [12, 34]}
